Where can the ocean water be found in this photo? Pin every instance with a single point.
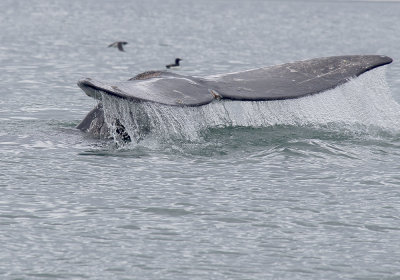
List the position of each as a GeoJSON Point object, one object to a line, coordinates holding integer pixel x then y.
{"type": "Point", "coordinates": [296, 189]}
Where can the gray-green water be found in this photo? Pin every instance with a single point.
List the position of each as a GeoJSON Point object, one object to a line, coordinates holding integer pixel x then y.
{"type": "Point", "coordinates": [300, 189]}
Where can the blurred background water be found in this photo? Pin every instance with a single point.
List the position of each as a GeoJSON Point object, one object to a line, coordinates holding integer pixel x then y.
{"type": "Point", "coordinates": [301, 189]}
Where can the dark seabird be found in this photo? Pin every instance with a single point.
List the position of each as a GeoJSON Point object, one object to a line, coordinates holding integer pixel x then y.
{"type": "Point", "coordinates": [174, 65]}
{"type": "Point", "coordinates": [118, 45]}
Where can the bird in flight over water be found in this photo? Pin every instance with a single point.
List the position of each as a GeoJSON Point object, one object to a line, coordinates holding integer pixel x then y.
{"type": "Point", "coordinates": [174, 65]}
{"type": "Point", "coordinates": [118, 45]}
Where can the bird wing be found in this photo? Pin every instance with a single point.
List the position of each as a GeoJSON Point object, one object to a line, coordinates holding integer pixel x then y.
{"type": "Point", "coordinates": [120, 47]}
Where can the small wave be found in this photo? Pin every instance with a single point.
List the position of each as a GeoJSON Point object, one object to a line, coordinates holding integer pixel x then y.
{"type": "Point", "coordinates": [364, 104]}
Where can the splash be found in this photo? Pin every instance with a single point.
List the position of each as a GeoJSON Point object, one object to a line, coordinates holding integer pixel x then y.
{"type": "Point", "coordinates": [365, 101]}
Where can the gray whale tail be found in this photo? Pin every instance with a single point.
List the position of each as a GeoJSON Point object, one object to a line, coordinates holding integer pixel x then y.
{"type": "Point", "coordinates": [285, 81]}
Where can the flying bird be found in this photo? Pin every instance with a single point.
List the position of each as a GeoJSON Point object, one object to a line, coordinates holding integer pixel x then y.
{"type": "Point", "coordinates": [174, 65]}
{"type": "Point", "coordinates": [118, 45]}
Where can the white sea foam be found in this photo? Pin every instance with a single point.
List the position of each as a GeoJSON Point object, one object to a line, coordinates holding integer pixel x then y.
{"type": "Point", "coordinates": [365, 101]}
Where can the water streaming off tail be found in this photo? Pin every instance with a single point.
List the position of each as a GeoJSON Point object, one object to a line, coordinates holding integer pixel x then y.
{"type": "Point", "coordinates": [363, 102]}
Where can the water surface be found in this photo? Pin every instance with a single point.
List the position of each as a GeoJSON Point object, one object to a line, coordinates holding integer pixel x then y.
{"type": "Point", "coordinates": [299, 189]}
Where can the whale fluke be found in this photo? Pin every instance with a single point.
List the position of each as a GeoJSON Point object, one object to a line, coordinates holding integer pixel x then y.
{"type": "Point", "coordinates": [286, 81]}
